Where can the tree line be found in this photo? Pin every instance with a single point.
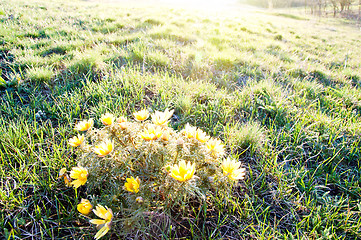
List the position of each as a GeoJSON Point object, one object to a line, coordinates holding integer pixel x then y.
{"type": "Point", "coordinates": [344, 8]}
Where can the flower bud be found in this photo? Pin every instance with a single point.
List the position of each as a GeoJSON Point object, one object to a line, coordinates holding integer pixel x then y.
{"type": "Point", "coordinates": [165, 136]}
{"type": "Point", "coordinates": [139, 200]}
{"type": "Point", "coordinates": [67, 180]}
{"type": "Point", "coordinates": [121, 119]}
{"type": "Point", "coordinates": [62, 172]}
{"type": "Point", "coordinates": [211, 179]}
{"type": "Point", "coordinates": [84, 207]}
{"type": "Point", "coordinates": [180, 141]}
{"type": "Point", "coordinates": [167, 168]}
{"type": "Point", "coordinates": [123, 125]}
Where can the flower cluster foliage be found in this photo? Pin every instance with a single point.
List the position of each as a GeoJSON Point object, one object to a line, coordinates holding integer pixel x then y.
{"type": "Point", "coordinates": [141, 165]}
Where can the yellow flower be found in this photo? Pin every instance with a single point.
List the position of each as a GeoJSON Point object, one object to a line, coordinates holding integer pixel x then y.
{"type": "Point", "coordinates": [107, 119]}
{"type": "Point", "coordinates": [161, 118]}
{"type": "Point", "coordinates": [231, 169]}
{"type": "Point", "coordinates": [107, 215]}
{"type": "Point", "coordinates": [84, 207]}
{"type": "Point", "coordinates": [151, 133]}
{"type": "Point", "coordinates": [121, 119]}
{"type": "Point", "coordinates": [84, 125]}
{"type": "Point", "coordinates": [132, 185]}
{"type": "Point", "coordinates": [141, 115]}
{"type": "Point", "coordinates": [215, 147]}
{"type": "Point", "coordinates": [183, 172]}
{"type": "Point", "coordinates": [76, 140]}
{"type": "Point", "coordinates": [80, 174]}
{"type": "Point", "coordinates": [104, 148]}
{"type": "Point", "coordinates": [201, 136]}
{"type": "Point", "coordinates": [189, 131]}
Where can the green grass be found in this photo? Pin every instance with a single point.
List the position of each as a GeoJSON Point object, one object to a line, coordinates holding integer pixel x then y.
{"type": "Point", "coordinates": [40, 74]}
{"type": "Point", "coordinates": [281, 90]}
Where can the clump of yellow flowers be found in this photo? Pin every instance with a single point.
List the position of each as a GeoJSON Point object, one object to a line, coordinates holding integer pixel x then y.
{"type": "Point", "coordinates": [142, 165]}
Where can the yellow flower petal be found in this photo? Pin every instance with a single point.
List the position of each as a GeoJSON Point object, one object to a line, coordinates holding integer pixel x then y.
{"type": "Point", "coordinates": [151, 133]}
{"type": "Point", "coordinates": [215, 147]}
{"type": "Point", "coordinates": [132, 185]}
{"type": "Point", "coordinates": [102, 231]}
{"type": "Point", "coordinates": [106, 214]}
{"type": "Point", "coordinates": [97, 221]}
{"type": "Point", "coordinates": [161, 118]}
{"type": "Point", "coordinates": [76, 140]}
{"type": "Point", "coordinates": [104, 148]}
{"type": "Point", "coordinates": [189, 131]}
{"type": "Point", "coordinates": [100, 211]}
{"type": "Point", "coordinates": [238, 174]}
{"type": "Point", "coordinates": [84, 207]}
{"type": "Point", "coordinates": [80, 174]}
{"type": "Point", "coordinates": [84, 125]}
{"type": "Point", "coordinates": [107, 119]}
{"type": "Point", "coordinates": [183, 172]}
{"type": "Point", "coordinates": [76, 183]}
{"type": "Point", "coordinates": [141, 115]}
{"type": "Point", "coordinates": [231, 169]}
{"type": "Point", "coordinates": [201, 136]}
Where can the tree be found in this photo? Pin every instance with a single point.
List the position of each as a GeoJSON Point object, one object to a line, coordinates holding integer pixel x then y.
{"type": "Point", "coordinates": [345, 5]}
{"type": "Point", "coordinates": [270, 4]}
{"type": "Point", "coordinates": [335, 6]}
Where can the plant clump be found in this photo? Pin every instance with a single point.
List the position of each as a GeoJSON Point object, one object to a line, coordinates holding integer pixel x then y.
{"type": "Point", "coordinates": [144, 167]}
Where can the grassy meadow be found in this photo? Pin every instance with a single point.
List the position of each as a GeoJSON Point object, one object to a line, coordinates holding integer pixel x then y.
{"type": "Point", "coordinates": [282, 91]}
